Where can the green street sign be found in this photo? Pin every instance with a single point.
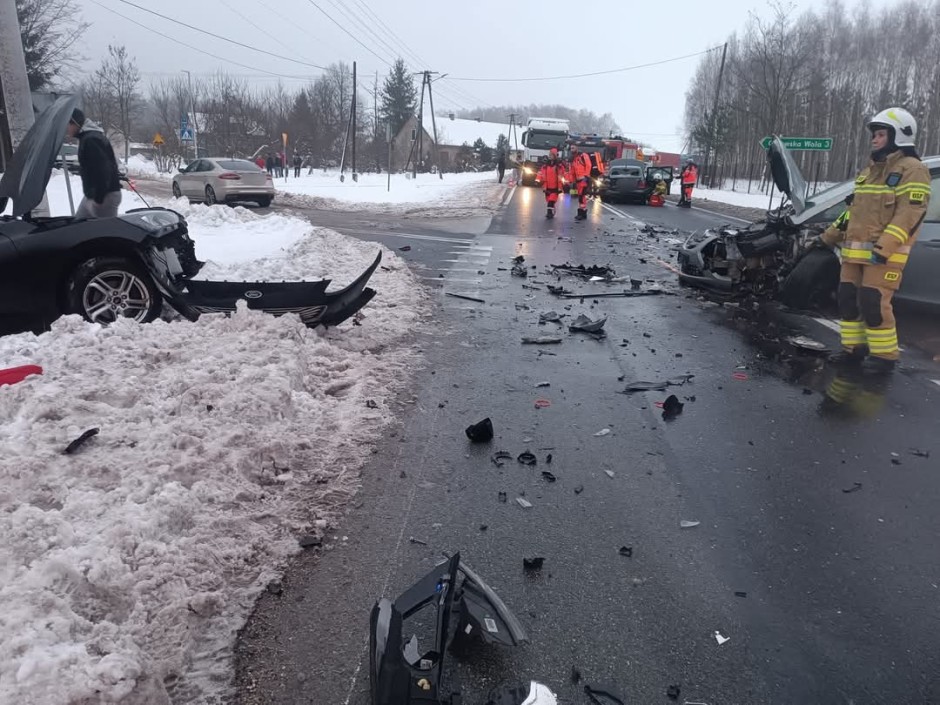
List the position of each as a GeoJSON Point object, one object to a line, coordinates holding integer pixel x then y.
{"type": "Point", "coordinates": [817, 144]}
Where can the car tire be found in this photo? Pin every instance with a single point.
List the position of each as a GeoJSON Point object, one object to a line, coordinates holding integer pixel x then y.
{"type": "Point", "coordinates": [104, 289]}
{"type": "Point", "coordinates": [813, 281]}
{"type": "Point", "coordinates": [176, 191]}
{"type": "Point", "coordinates": [211, 198]}
{"type": "Point", "coordinates": [264, 202]}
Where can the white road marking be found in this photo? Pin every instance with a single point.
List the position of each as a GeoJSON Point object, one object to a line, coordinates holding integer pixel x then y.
{"type": "Point", "coordinates": [936, 381]}
{"type": "Point", "coordinates": [411, 236]}
{"type": "Point", "coordinates": [828, 323]}
{"type": "Point", "coordinates": [512, 192]}
{"type": "Point", "coordinates": [715, 213]}
{"type": "Point", "coordinates": [451, 280]}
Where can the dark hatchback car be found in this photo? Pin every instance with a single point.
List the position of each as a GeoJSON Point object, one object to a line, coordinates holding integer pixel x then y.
{"type": "Point", "coordinates": [632, 180]}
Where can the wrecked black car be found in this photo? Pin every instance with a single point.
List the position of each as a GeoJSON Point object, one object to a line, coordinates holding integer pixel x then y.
{"type": "Point", "coordinates": [123, 267]}
{"type": "Point", "coordinates": [774, 258]}
{"type": "Point", "coordinates": [465, 609]}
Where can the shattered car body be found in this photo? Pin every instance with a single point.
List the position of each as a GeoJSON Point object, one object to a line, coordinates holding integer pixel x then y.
{"type": "Point", "coordinates": [122, 267]}
{"type": "Point", "coordinates": [465, 608]}
{"type": "Point", "coordinates": [775, 257]}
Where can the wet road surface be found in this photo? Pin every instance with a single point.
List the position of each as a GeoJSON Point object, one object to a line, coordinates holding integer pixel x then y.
{"type": "Point", "coordinates": [815, 552]}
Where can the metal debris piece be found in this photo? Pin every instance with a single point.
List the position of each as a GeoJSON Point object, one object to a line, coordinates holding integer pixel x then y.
{"type": "Point", "coordinates": [740, 593]}
{"type": "Point", "coordinates": [602, 432]}
{"type": "Point", "coordinates": [806, 343]}
{"type": "Point", "coordinates": [658, 385]}
{"type": "Point", "coordinates": [626, 551]}
{"type": "Point", "coordinates": [541, 340]}
{"type": "Point", "coordinates": [412, 539]}
{"type": "Point", "coordinates": [609, 473]}
{"type": "Point", "coordinates": [558, 290]}
{"type": "Point", "coordinates": [856, 486]}
{"type": "Point", "coordinates": [543, 384]}
{"type": "Point", "coordinates": [527, 458]}
{"type": "Point", "coordinates": [549, 477]}
{"type": "Point", "coordinates": [465, 298]}
{"type": "Point", "coordinates": [672, 407]}
{"type": "Point", "coordinates": [523, 502]}
{"type": "Point", "coordinates": [919, 453]}
{"type": "Point", "coordinates": [584, 324]}
{"type": "Point", "coordinates": [686, 524]}
{"type": "Point", "coordinates": [405, 248]}
{"type": "Point", "coordinates": [550, 317]}
{"type": "Point", "coordinates": [721, 639]}
{"type": "Point", "coordinates": [80, 441]}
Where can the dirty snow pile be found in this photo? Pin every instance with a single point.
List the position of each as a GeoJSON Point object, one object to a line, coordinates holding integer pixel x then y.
{"type": "Point", "coordinates": [138, 165]}
{"type": "Point", "coordinates": [127, 567]}
{"type": "Point", "coordinates": [427, 195]}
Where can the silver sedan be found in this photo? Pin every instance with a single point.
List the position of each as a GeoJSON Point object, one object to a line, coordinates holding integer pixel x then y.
{"type": "Point", "coordinates": [221, 180]}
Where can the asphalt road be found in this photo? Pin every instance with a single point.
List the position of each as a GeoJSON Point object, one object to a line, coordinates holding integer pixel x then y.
{"type": "Point", "coordinates": [816, 548]}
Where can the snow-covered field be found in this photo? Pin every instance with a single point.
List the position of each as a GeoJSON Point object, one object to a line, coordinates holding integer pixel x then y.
{"type": "Point", "coordinates": [456, 195]}
{"type": "Point", "coordinates": [127, 568]}
{"type": "Point", "coordinates": [736, 193]}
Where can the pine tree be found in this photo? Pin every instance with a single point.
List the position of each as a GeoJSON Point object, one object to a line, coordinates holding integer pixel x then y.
{"type": "Point", "coordinates": [49, 29]}
{"type": "Point", "coordinates": [399, 96]}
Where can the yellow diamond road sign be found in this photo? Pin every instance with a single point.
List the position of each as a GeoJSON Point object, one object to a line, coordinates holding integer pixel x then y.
{"type": "Point", "coordinates": [158, 139]}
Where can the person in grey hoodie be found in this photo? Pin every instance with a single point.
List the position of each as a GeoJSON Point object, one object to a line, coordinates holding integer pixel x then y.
{"type": "Point", "coordinates": [101, 185]}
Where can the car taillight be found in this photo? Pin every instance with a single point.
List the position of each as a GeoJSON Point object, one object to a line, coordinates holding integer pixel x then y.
{"type": "Point", "coordinates": [641, 184]}
{"type": "Point", "coordinates": [229, 176]}
{"type": "Point", "coordinates": [267, 177]}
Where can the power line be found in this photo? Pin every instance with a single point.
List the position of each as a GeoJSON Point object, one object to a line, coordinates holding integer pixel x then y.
{"type": "Point", "coordinates": [585, 75]}
{"type": "Point", "coordinates": [219, 36]}
{"type": "Point", "coordinates": [350, 15]}
{"type": "Point", "coordinates": [190, 46]}
{"type": "Point", "coordinates": [345, 30]}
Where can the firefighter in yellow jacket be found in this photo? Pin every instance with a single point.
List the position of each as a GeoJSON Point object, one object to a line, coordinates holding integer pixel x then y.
{"type": "Point", "coordinates": [876, 234]}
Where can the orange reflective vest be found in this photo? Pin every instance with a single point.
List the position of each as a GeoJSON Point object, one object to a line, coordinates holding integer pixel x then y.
{"type": "Point", "coordinates": [598, 160]}
{"type": "Point", "coordinates": [689, 176]}
{"type": "Point", "coordinates": [552, 176]}
{"type": "Point", "coordinates": [580, 166]}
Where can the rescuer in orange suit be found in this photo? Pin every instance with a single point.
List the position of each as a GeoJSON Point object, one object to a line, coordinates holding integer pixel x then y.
{"type": "Point", "coordinates": [552, 177]}
{"type": "Point", "coordinates": [689, 177]}
{"type": "Point", "coordinates": [580, 175]}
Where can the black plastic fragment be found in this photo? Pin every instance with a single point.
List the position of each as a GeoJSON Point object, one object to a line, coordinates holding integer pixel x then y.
{"type": "Point", "coordinates": [546, 475]}
{"type": "Point", "coordinates": [533, 563]}
{"type": "Point", "coordinates": [672, 407]}
{"type": "Point", "coordinates": [626, 551]}
{"type": "Point", "coordinates": [481, 432]}
{"type": "Point", "coordinates": [80, 441]}
{"type": "Point", "coordinates": [527, 458]}
{"type": "Point", "coordinates": [672, 692]}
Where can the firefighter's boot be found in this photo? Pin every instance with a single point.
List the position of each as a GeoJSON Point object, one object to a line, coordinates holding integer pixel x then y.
{"type": "Point", "coordinates": [550, 213]}
{"type": "Point", "coordinates": [879, 366]}
{"type": "Point", "coordinates": [582, 214]}
{"type": "Point", "coordinates": [849, 358]}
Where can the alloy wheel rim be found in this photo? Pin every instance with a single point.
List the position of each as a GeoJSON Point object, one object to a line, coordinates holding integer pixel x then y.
{"type": "Point", "coordinates": [116, 294]}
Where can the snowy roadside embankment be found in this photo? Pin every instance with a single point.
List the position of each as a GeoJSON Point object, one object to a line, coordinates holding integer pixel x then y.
{"type": "Point", "coordinates": [427, 196]}
{"type": "Point", "coordinates": [127, 568]}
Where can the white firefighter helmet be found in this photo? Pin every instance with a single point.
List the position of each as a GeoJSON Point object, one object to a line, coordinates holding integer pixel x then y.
{"type": "Point", "coordinates": [898, 121]}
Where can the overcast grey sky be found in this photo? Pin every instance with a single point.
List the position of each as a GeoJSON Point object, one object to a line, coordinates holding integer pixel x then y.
{"type": "Point", "coordinates": [476, 39]}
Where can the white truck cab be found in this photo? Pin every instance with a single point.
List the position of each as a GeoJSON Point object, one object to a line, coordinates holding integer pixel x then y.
{"type": "Point", "coordinates": [541, 134]}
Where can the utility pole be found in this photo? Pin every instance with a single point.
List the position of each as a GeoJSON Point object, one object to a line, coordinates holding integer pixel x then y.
{"type": "Point", "coordinates": [714, 115]}
{"type": "Point", "coordinates": [375, 122]}
{"type": "Point", "coordinates": [420, 142]}
{"type": "Point", "coordinates": [437, 161]}
{"type": "Point", "coordinates": [354, 173]}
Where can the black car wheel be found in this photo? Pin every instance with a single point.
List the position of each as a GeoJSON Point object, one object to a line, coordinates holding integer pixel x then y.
{"type": "Point", "coordinates": [176, 190]}
{"type": "Point", "coordinates": [104, 289]}
{"type": "Point", "coordinates": [264, 202]}
{"type": "Point", "coordinates": [210, 196]}
{"type": "Point", "coordinates": [813, 280]}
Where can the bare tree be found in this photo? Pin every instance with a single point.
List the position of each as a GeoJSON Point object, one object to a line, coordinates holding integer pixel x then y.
{"type": "Point", "coordinates": [49, 29]}
{"type": "Point", "coordinates": [114, 88]}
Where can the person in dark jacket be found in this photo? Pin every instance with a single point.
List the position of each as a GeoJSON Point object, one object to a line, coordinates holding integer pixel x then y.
{"type": "Point", "coordinates": [101, 184]}
{"type": "Point", "coordinates": [269, 163]}
{"type": "Point", "coordinates": [298, 162]}
{"type": "Point", "coordinates": [501, 166]}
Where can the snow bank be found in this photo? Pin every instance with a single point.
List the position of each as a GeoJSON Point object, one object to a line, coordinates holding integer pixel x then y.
{"type": "Point", "coordinates": [456, 195]}
{"type": "Point", "coordinates": [127, 568]}
{"type": "Point", "coordinates": [138, 165]}
{"type": "Point", "coordinates": [58, 195]}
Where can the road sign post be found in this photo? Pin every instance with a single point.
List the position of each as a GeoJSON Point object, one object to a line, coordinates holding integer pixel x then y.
{"type": "Point", "coordinates": [802, 144]}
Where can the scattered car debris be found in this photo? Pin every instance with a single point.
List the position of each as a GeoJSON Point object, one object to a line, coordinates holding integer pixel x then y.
{"type": "Point", "coordinates": [550, 317]}
{"type": "Point", "coordinates": [805, 343]}
{"type": "Point", "coordinates": [467, 608]}
{"type": "Point", "coordinates": [602, 696]}
{"type": "Point", "coordinates": [602, 432]}
{"type": "Point", "coordinates": [309, 541]}
{"type": "Point", "coordinates": [533, 563]}
{"type": "Point", "coordinates": [405, 248]}
{"type": "Point", "coordinates": [484, 527]}
{"type": "Point", "coordinates": [579, 489]}
{"type": "Point", "coordinates": [672, 692]}
{"type": "Point", "coordinates": [686, 524]}
{"type": "Point", "coordinates": [412, 539]}
{"type": "Point", "coordinates": [721, 639]}
{"type": "Point", "coordinates": [610, 294]}
{"type": "Point", "coordinates": [597, 272]}
{"type": "Point", "coordinates": [502, 497]}
{"type": "Point", "coordinates": [856, 486]}
{"type": "Point", "coordinates": [542, 403]}
{"type": "Point", "coordinates": [541, 340]}
{"type": "Point", "coordinates": [558, 290]}
{"type": "Point", "coordinates": [371, 404]}
{"type": "Point", "coordinates": [626, 551]}
{"type": "Point", "coordinates": [740, 376]}
{"type": "Point", "coordinates": [518, 259]}
{"type": "Point", "coordinates": [548, 459]}
{"type": "Point", "coordinates": [740, 593]}
{"type": "Point", "coordinates": [80, 441]}
{"type": "Point", "coordinates": [518, 267]}
{"type": "Point", "coordinates": [12, 375]}
{"type": "Point", "coordinates": [523, 502]}
{"type": "Point", "coordinates": [672, 407]}
{"type": "Point", "coordinates": [920, 453]}
{"type": "Point", "coordinates": [499, 456]}
{"type": "Point", "coordinates": [609, 473]}
{"type": "Point", "coordinates": [547, 476]}
{"type": "Point", "coordinates": [895, 461]}
{"type": "Point", "coordinates": [533, 288]}
{"type": "Point", "coordinates": [543, 384]}
{"type": "Point", "coordinates": [584, 324]}
{"type": "Point", "coordinates": [527, 458]}
{"type": "Point", "coordinates": [465, 298]}
{"type": "Point", "coordinates": [658, 385]}
{"type": "Point", "coordinates": [480, 432]}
